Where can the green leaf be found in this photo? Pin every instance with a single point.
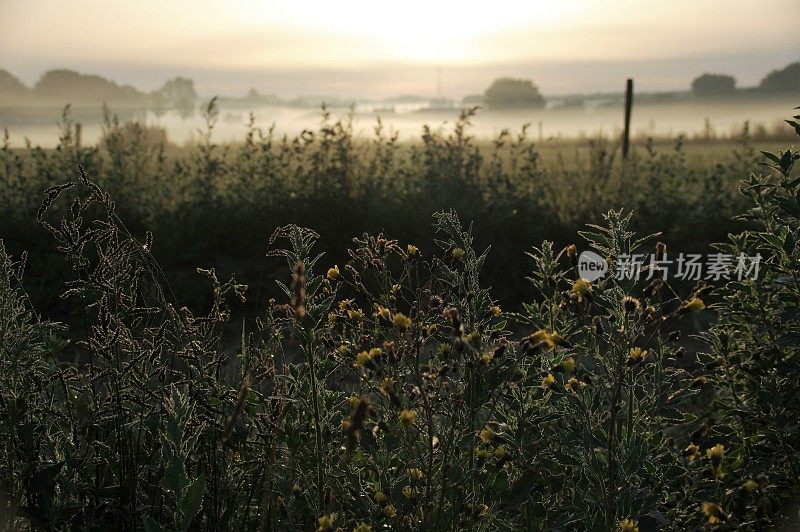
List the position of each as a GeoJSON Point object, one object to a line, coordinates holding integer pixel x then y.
{"type": "Point", "coordinates": [191, 502]}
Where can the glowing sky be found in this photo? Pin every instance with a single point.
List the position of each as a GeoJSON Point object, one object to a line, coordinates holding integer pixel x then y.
{"type": "Point", "coordinates": [373, 48]}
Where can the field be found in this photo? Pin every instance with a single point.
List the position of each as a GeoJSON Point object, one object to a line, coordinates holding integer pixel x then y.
{"type": "Point", "coordinates": [340, 330]}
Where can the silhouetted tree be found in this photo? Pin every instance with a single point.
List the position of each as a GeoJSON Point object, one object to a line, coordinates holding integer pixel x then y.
{"type": "Point", "coordinates": [785, 80]}
{"type": "Point", "coordinates": [177, 93]}
{"type": "Point", "coordinates": [714, 85]}
{"type": "Point", "coordinates": [509, 92]}
{"type": "Point", "coordinates": [73, 87]}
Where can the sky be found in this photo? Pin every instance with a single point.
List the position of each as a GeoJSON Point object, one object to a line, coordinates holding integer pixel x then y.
{"type": "Point", "coordinates": [379, 49]}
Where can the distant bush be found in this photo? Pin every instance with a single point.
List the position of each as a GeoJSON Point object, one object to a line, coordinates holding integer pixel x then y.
{"type": "Point", "coordinates": [784, 80]}
{"type": "Point", "coordinates": [714, 85]}
{"type": "Point", "coordinates": [509, 93]}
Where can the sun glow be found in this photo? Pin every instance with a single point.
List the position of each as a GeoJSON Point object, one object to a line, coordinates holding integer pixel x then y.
{"type": "Point", "coordinates": [417, 30]}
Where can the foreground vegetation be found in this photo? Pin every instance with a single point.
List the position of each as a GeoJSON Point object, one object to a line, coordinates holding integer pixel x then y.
{"type": "Point", "coordinates": [389, 386]}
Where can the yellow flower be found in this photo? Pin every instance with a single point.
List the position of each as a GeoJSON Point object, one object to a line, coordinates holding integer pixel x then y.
{"type": "Point", "coordinates": [473, 338]}
{"type": "Point", "coordinates": [412, 250]}
{"type": "Point", "coordinates": [363, 358]}
{"type": "Point", "coordinates": [568, 364]}
{"type": "Point", "coordinates": [500, 452]}
{"type": "Point", "coordinates": [375, 352]}
{"type": "Point", "coordinates": [692, 452]}
{"type": "Point", "coordinates": [549, 381]}
{"type": "Point", "coordinates": [750, 485]}
{"type": "Point", "coordinates": [694, 303]}
{"type": "Point", "coordinates": [362, 527]}
{"type": "Point", "coordinates": [401, 321]}
{"type": "Point", "coordinates": [481, 454]}
{"type": "Point", "coordinates": [353, 400]}
{"type": "Point", "coordinates": [345, 304]}
{"type": "Point", "coordinates": [389, 510]}
{"type": "Point", "coordinates": [408, 492]}
{"type": "Point", "coordinates": [581, 289]}
{"type": "Point", "coordinates": [356, 314]}
{"type": "Point", "coordinates": [496, 310]}
{"type": "Point", "coordinates": [333, 273]}
{"type": "Point", "coordinates": [715, 454]}
{"type": "Point", "coordinates": [628, 525]}
{"type": "Point", "coordinates": [637, 355]}
{"type": "Point", "coordinates": [458, 253]}
{"type": "Point", "coordinates": [326, 522]}
{"type": "Point", "coordinates": [383, 312]}
{"type": "Point", "coordinates": [574, 384]}
{"type": "Point", "coordinates": [343, 349]}
{"type": "Point", "coordinates": [415, 473]}
{"type": "Point", "coordinates": [487, 435]}
{"type": "Point", "coordinates": [571, 250]}
{"type": "Point", "coordinates": [542, 338]}
{"type": "Point", "coordinates": [482, 511]}
{"type": "Point", "coordinates": [713, 512]}
{"type": "Point", "coordinates": [408, 417]}
{"type": "Point", "coordinates": [380, 497]}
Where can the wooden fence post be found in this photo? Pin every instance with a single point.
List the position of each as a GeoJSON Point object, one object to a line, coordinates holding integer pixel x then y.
{"type": "Point", "coordinates": [78, 129]}
{"type": "Point", "coordinates": [627, 133]}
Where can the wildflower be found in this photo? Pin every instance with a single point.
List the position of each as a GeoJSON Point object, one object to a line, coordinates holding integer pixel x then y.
{"type": "Point", "coordinates": [481, 454]}
{"type": "Point", "coordinates": [574, 384]}
{"type": "Point", "coordinates": [549, 381]}
{"type": "Point", "coordinates": [628, 525]}
{"type": "Point", "coordinates": [383, 313]}
{"type": "Point", "coordinates": [355, 314]}
{"type": "Point", "coordinates": [407, 417]}
{"type": "Point", "coordinates": [343, 349]}
{"type": "Point", "coordinates": [458, 253]}
{"type": "Point", "coordinates": [661, 250]}
{"type": "Point", "coordinates": [715, 454]}
{"type": "Point", "coordinates": [481, 511]}
{"type": "Point", "coordinates": [486, 358]}
{"type": "Point", "coordinates": [432, 328]}
{"type": "Point", "coordinates": [363, 358]}
{"type": "Point", "coordinates": [473, 338]}
{"type": "Point", "coordinates": [401, 321]}
{"type": "Point", "coordinates": [571, 250]}
{"type": "Point", "coordinates": [411, 250]}
{"type": "Point", "coordinates": [333, 273]}
{"type": "Point", "coordinates": [631, 304]}
{"type": "Point", "coordinates": [389, 510]}
{"type": "Point", "coordinates": [582, 290]}
{"type": "Point", "coordinates": [362, 527]}
{"type": "Point", "coordinates": [408, 492]}
{"type": "Point", "coordinates": [353, 400]}
{"type": "Point", "coordinates": [495, 310]}
{"type": "Point", "coordinates": [487, 435]}
{"type": "Point", "coordinates": [332, 317]}
{"type": "Point", "coordinates": [326, 522]}
{"type": "Point", "coordinates": [395, 288]}
{"type": "Point", "coordinates": [541, 338]}
{"type": "Point", "coordinates": [750, 485]}
{"type": "Point", "coordinates": [692, 304]}
{"type": "Point", "coordinates": [415, 473]}
{"type": "Point", "coordinates": [500, 452]}
{"type": "Point", "coordinates": [637, 355]}
{"type": "Point", "coordinates": [568, 364]}
{"type": "Point", "coordinates": [692, 452]}
{"type": "Point", "coordinates": [713, 512]}
{"type": "Point", "coordinates": [380, 497]}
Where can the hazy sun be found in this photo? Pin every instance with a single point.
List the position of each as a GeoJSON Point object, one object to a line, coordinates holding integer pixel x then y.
{"type": "Point", "coordinates": [417, 30]}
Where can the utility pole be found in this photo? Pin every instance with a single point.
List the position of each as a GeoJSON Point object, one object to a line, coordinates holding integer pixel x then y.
{"type": "Point", "coordinates": [626, 135]}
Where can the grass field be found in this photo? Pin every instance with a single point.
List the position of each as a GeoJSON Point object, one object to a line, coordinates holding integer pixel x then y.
{"type": "Point", "coordinates": [380, 369]}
